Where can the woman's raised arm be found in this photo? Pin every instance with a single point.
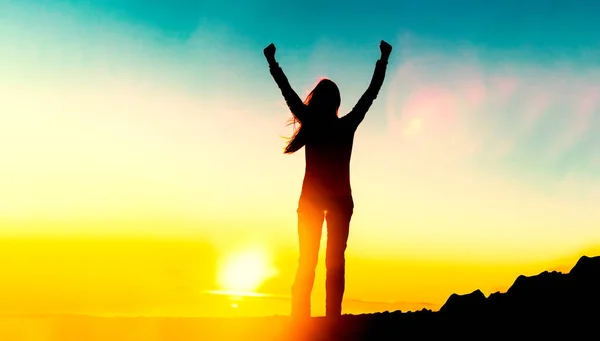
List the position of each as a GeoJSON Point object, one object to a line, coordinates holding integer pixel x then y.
{"type": "Point", "coordinates": [294, 102]}
{"type": "Point", "coordinates": [357, 114]}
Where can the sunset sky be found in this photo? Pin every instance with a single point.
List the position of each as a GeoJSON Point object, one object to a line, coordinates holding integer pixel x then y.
{"type": "Point", "coordinates": [141, 164]}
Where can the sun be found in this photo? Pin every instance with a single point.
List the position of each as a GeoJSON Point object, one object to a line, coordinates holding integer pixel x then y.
{"type": "Point", "coordinates": [245, 271]}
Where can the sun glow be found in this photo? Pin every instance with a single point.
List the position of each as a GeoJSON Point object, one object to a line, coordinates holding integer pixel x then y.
{"type": "Point", "coordinates": [245, 271]}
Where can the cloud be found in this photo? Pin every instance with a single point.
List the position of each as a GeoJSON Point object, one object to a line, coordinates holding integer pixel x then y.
{"type": "Point", "coordinates": [585, 106]}
{"type": "Point", "coordinates": [455, 108]}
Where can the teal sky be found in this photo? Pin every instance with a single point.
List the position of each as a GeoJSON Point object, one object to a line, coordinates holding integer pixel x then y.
{"type": "Point", "coordinates": [538, 25]}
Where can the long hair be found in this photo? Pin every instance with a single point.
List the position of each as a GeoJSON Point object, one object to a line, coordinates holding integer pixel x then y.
{"type": "Point", "coordinates": [322, 102]}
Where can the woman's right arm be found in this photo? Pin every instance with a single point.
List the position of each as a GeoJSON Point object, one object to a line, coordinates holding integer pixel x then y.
{"type": "Point", "coordinates": [291, 97]}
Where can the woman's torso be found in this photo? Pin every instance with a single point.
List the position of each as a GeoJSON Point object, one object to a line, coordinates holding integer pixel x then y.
{"type": "Point", "coordinates": [328, 151]}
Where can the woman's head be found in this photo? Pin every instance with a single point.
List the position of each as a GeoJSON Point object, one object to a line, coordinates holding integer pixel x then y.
{"type": "Point", "coordinates": [322, 103]}
{"type": "Point", "coordinates": [324, 99]}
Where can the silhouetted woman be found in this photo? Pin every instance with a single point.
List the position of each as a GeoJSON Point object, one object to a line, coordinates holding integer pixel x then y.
{"type": "Point", "coordinates": [326, 192]}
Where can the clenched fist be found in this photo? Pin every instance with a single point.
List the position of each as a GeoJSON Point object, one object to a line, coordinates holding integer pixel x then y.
{"type": "Point", "coordinates": [269, 52]}
{"type": "Point", "coordinates": [385, 48]}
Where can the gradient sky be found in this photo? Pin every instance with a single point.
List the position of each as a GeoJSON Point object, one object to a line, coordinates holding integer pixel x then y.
{"type": "Point", "coordinates": [159, 120]}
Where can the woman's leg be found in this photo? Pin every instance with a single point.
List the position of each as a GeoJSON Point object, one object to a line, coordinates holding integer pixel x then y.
{"type": "Point", "coordinates": [310, 224]}
{"type": "Point", "coordinates": [338, 227]}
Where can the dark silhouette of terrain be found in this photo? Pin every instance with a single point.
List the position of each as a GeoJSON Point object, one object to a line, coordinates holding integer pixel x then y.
{"type": "Point", "coordinates": [550, 305]}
